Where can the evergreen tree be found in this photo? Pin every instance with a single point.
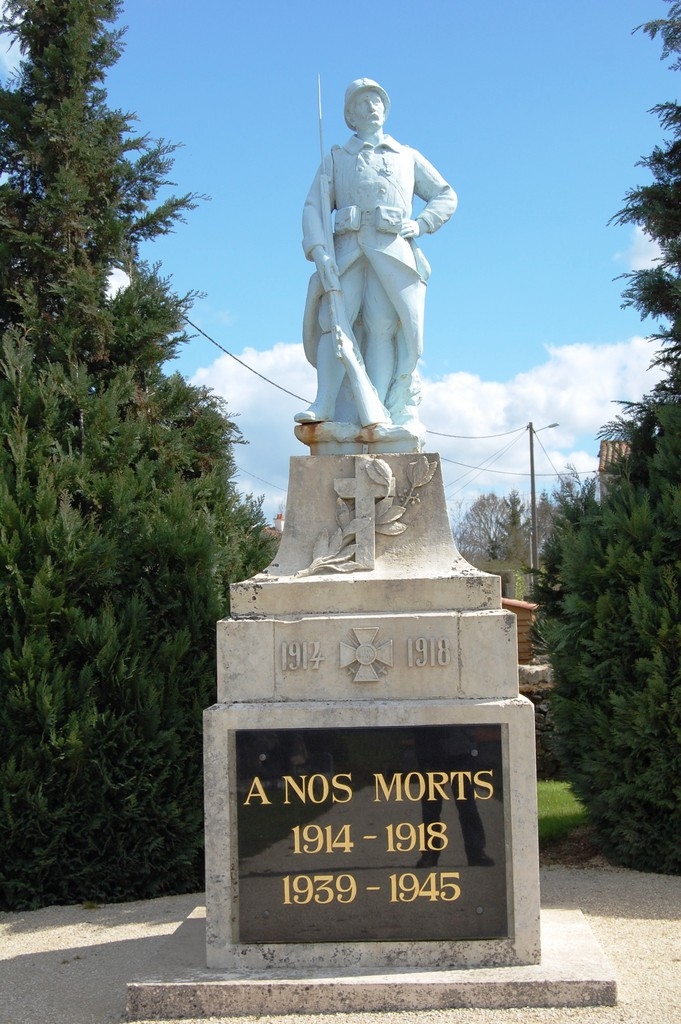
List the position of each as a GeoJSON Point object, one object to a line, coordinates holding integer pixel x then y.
{"type": "Point", "coordinates": [120, 527]}
{"type": "Point", "coordinates": [546, 508]}
{"type": "Point", "coordinates": [517, 540]}
{"type": "Point", "coordinates": [613, 615]}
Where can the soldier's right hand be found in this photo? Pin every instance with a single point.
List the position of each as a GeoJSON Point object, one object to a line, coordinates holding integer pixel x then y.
{"type": "Point", "coordinates": [327, 270]}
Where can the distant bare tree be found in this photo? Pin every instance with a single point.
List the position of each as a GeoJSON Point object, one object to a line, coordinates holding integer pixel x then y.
{"type": "Point", "coordinates": [482, 531]}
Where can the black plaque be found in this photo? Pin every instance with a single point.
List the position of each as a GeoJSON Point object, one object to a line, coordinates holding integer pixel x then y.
{"type": "Point", "coordinates": [370, 834]}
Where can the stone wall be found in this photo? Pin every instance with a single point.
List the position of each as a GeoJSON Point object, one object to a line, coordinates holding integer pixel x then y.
{"type": "Point", "coordinates": [536, 683]}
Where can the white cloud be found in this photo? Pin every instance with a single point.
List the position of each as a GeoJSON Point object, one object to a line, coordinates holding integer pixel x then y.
{"type": "Point", "coordinates": [576, 386]}
{"type": "Point", "coordinates": [117, 280]}
{"type": "Point", "coordinates": [642, 253]}
{"type": "Point", "coordinates": [264, 414]}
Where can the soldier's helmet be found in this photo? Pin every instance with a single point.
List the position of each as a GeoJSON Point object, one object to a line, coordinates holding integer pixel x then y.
{"type": "Point", "coordinates": [361, 85]}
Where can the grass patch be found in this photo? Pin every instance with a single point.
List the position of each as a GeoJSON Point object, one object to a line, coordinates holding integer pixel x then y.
{"type": "Point", "coordinates": [560, 812]}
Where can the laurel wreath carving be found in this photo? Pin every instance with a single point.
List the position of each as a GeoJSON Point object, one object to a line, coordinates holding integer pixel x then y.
{"type": "Point", "coordinates": [335, 551]}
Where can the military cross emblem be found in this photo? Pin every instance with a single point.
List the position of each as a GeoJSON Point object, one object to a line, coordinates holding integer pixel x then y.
{"type": "Point", "coordinates": [366, 654]}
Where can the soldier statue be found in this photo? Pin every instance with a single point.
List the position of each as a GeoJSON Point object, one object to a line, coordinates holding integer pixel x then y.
{"type": "Point", "coordinates": [363, 324]}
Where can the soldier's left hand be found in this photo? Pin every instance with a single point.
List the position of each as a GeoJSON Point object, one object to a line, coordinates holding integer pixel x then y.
{"type": "Point", "coordinates": [410, 229]}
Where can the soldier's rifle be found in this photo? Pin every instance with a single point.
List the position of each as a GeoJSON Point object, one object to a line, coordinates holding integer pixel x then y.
{"type": "Point", "coordinates": [369, 406]}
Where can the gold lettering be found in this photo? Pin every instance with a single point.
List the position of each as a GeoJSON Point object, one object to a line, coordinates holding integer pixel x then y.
{"type": "Point", "coordinates": [387, 790]}
{"type": "Point", "coordinates": [323, 793]}
{"type": "Point", "coordinates": [459, 778]}
{"type": "Point", "coordinates": [483, 784]}
{"type": "Point", "coordinates": [421, 786]}
{"type": "Point", "coordinates": [416, 786]}
{"type": "Point", "coordinates": [436, 785]}
{"type": "Point", "coordinates": [314, 788]}
{"type": "Point", "coordinates": [256, 790]}
{"type": "Point", "coordinates": [341, 788]}
{"type": "Point", "coordinates": [299, 790]}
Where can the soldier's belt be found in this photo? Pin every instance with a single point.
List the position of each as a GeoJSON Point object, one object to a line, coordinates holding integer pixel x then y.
{"type": "Point", "coordinates": [384, 218]}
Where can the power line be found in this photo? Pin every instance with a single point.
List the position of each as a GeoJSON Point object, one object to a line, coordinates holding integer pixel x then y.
{"type": "Point", "coordinates": [242, 363]}
{"type": "Point", "coordinates": [484, 468]}
{"type": "Point", "coordinates": [435, 433]}
{"type": "Point", "coordinates": [260, 479]}
{"type": "Point", "coordinates": [559, 475]}
{"type": "Point", "coordinates": [476, 437]}
{"type": "Point", "coordinates": [508, 472]}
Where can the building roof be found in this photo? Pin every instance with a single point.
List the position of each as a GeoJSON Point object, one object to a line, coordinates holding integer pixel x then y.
{"type": "Point", "coordinates": [611, 452]}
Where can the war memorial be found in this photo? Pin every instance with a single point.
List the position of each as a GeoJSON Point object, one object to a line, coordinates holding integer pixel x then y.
{"type": "Point", "coordinates": [370, 784]}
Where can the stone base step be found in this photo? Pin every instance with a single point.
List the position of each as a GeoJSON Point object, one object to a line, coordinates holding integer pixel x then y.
{"type": "Point", "coordinates": [573, 972]}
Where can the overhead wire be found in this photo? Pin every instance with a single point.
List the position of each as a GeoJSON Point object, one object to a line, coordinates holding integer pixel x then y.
{"type": "Point", "coordinates": [559, 475]}
{"type": "Point", "coordinates": [242, 363]}
{"type": "Point", "coordinates": [260, 479]}
{"type": "Point", "coordinates": [477, 437]}
{"type": "Point", "coordinates": [478, 470]}
{"type": "Point", "coordinates": [435, 433]}
{"type": "Point", "coordinates": [507, 472]}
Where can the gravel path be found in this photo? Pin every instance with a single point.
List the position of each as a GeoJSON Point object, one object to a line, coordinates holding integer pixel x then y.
{"type": "Point", "coordinates": [70, 965]}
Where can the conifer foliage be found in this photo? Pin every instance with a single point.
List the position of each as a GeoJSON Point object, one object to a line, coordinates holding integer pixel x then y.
{"type": "Point", "coordinates": [120, 528]}
{"type": "Point", "coordinates": [612, 588]}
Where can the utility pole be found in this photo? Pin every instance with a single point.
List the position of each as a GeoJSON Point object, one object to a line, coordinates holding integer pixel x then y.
{"type": "Point", "coordinates": [534, 556]}
{"type": "Point", "coordinates": [534, 545]}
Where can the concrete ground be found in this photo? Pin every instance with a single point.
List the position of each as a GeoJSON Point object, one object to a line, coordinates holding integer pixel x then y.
{"type": "Point", "coordinates": [71, 965]}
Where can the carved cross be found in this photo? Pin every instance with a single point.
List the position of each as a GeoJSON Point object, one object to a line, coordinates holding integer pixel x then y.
{"type": "Point", "coordinates": [363, 491]}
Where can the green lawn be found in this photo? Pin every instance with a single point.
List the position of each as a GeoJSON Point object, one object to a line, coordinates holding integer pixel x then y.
{"type": "Point", "coordinates": [560, 812]}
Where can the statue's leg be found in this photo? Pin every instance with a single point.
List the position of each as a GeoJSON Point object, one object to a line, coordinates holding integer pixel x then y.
{"type": "Point", "coordinates": [330, 373]}
{"type": "Point", "coordinates": [410, 305]}
{"type": "Point", "coordinates": [406, 294]}
{"type": "Point", "coordinates": [380, 325]}
{"type": "Point", "coordinates": [330, 368]}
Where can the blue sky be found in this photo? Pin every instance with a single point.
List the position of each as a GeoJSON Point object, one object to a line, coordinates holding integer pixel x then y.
{"type": "Point", "coordinates": [535, 111]}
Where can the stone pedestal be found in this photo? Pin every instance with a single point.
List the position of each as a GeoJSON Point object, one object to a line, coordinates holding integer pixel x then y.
{"type": "Point", "coordinates": [370, 779]}
{"type": "Point", "coordinates": [371, 827]}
